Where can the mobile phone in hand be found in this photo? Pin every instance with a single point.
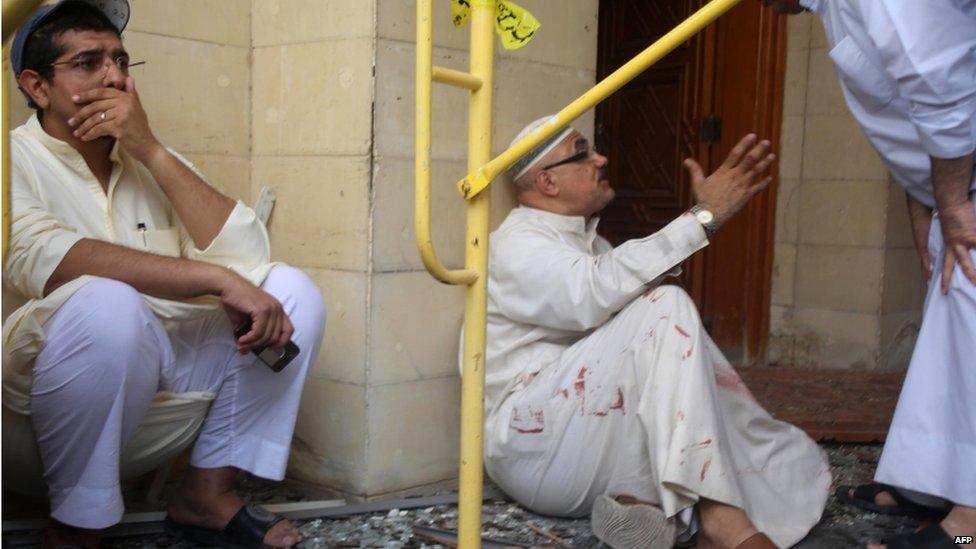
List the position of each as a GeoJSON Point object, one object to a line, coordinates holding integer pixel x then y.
{"type": "Point", "coordinates": [275, 358]}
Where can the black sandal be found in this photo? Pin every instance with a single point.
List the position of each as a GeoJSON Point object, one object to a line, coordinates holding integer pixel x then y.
{"type": "Point", "coordinates": [930, 537]}
{"type": "Point", "coordinates": [864, 498]}
{"type": "Point", "coordinates": [246, 530]}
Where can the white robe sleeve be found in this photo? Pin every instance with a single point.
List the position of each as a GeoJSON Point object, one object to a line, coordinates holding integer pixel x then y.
{"type": "Point", "coordinates": [929, 48]}
{"type": "Point", "coordinates": [538, 280]}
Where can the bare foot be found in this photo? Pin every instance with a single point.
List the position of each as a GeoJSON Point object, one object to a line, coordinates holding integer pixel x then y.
{"type": "Point", "coordinates": [723, 526]}
{"type": "Point", "coordinates": [59, 534]}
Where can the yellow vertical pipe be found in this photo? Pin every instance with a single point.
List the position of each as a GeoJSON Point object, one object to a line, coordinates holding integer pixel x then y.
{"type": "Point", "coordinates": [476, 258]}
{"type": "Point", "coordinates": [6, 150]}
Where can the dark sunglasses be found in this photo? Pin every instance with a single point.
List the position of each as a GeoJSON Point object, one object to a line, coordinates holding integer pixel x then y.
{"type": "Point", "coordinates": [578, 157]}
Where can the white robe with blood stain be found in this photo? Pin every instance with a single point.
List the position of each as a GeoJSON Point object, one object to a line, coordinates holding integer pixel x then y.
{"type": "Point", "coordinates": [601, 381]}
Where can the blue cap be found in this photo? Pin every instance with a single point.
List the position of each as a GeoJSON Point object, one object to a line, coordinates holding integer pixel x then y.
{"type": "Point", "coordinates": [117, 12]}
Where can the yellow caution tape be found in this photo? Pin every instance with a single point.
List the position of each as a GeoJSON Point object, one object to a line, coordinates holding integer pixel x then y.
{"type": "Point", "coordinates": [513, 23]}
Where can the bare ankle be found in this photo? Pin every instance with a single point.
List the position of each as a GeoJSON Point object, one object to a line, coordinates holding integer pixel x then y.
{"type": "Point", "coordinates": [724, 526]}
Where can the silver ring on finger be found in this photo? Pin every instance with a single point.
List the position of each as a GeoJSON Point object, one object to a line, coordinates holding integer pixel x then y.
{"type": "Point", "coordinates": [102, 116]}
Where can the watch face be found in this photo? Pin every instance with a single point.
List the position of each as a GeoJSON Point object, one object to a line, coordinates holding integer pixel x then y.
{"type": "Point", "coordinates": [704, 216]}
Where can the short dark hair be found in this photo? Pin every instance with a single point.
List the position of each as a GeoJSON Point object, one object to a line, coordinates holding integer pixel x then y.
{"type": "Point", "coordinates": [43, 46]}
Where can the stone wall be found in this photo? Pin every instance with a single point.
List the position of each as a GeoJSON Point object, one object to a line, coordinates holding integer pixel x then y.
{"type": "Point", "coordinates": [847, 288]}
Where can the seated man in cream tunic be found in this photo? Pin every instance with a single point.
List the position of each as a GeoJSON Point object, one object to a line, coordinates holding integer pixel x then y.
{"type": "Point", "coordinates": [132, 274]}
{"type": "Point", "coordinates": [604, 393]}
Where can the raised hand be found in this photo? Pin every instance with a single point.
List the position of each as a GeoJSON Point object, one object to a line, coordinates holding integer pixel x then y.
{"type": "Point", "coordinates": [108, 111]}
{"type": "Point", "coordinates": [737, 180]}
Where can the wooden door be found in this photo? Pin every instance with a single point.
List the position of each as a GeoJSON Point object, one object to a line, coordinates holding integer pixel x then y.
{"type": "Point", "coordinates": [728, 76]}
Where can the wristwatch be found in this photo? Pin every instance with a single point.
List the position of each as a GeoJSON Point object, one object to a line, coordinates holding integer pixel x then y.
{"type": "Point", "coordinates": [706, 218]}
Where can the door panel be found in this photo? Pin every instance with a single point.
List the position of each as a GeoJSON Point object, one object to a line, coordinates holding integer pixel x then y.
{"type": "Point", "coordinates": [732, 70]}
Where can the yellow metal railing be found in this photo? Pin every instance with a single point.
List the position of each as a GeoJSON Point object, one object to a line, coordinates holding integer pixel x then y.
{"type": "Point", "coordinates": [15, 12]}
{"type": "Point", "coordinates": [481, 172]}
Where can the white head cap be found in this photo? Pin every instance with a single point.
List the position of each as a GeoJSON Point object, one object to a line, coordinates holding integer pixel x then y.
{"type": "Point", "coordinates": [525, 163]}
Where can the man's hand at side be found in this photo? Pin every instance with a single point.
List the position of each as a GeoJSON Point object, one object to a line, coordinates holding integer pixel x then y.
{"type": "Point", "coordinates": [269, 323]}
{"type": "Point", "coordinates": [950, 180]}
{"type": "Point", "coordinates": [737, 180]}
{"type": "Point", "coordinates": [920, 217]}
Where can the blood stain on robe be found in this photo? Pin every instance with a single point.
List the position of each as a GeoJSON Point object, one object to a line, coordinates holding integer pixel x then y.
{"type": "Point", "coordinates": [682, 331]}
{"type": "Point", "coordinates": [704, 471]}
{"type": "Point", "coordinates": [580, 384]}
{"type": "Point", "coordinates": [681, 415]}
{"type": "Point", "coordinates": [688, 354]}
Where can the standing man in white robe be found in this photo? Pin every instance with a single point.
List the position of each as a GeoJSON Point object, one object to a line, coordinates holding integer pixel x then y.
{"type": "Point", "coordinates": [604, 393]}
{"type": "Point", "coordinates": [908, 72]}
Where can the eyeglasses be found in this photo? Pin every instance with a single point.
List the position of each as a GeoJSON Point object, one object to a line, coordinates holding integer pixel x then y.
{"type": "Point", "coordinates": [580, 156]}
{"type": "Point", "coordinates": [91, 65]}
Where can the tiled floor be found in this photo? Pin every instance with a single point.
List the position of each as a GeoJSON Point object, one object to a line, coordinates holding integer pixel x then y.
{"type": "Point", "coordinates": [842, 405]}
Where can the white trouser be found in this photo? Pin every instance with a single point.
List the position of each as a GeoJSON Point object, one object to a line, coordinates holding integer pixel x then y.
{"type": "Point", "coordinates": [106, 355]}
{"type": "Point", "coordinates": [647, 406]}
{"type": "Point", "coordinates": [931, 445]}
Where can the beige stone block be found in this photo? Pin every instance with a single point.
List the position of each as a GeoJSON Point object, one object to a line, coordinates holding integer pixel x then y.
{"type": "Point", "coordinates": [277, 22]}
{"type": "Point", "coordinates": [780, 318]}
{"type": "Point", "coordinates": [904, 285]}
{"type": "Point", "coordinates": [195, 19]}
{"type": "Point", "coordinates": [415, 324]}
{"type": "Point", "coordinates": [898, 227]}
{"type": "Point", "coordinates": [313, 98]}
{"type": "Point", "coordinates": [899, 332]}
{"type": "Point", "coordinates": [844, 340]}
{"type": "Point", "coordinates": [567, 37]}
{"type": "Point", "coordinates": [504, 197]}
{"type": "Point", "coordinates": [839, 278]}
{"type": "Point", "coordinates": [413, 434]}
{"type": "Point", "coordinates": [787, 210]}
{"type": "Point", "coordinates": [397, 20]}
{"type": "Point", "coordinates": [790, 151]}
{"type": "Point", "coordinates": [230, 175]}
{"type": "Point", "coordinates": [195, 107]}
{"type": "Point", "coordinates": [824, 95]}
{"type": "Point", "coordinates": [835, 148]}
{"type": "Point", "coordinates": [394, 121]}
{"type": "Point", "coordinates": [850, 213]}
{"type": "Point", "coordinates": [517, 104]}
{"type": "Point", "coordinates": [321, 216]}
{"type": "Point", "coordinates": [343, 354]}
{"type": "Point", "coordinates": [799, 29]}
{"type": "Point", "coordinates": [784, 268]}
{"type": "Point", "coordinates": [818, 37]}
{"type": "Point", "coordinates": [394, 243]}
{"type": "Point", "coordinates": [329, 447]}
{"type": "Point", "coordinates": [795, 82]}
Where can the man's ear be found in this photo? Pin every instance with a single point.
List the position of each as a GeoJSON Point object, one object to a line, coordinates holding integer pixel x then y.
{"type": "Point", "coordinates": [35, 87]}
{"type": "Point", "coordinates": [545, 184]}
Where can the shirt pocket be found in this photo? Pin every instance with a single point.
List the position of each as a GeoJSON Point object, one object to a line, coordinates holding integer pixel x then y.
{"type": "Point", "coordinates": [158, 241]}
{"type": "Point", "coordinates": [867, 82]}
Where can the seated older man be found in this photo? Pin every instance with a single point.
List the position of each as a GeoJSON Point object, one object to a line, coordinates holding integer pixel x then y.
{"type": "Point", "coordinates": [604, 392]}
